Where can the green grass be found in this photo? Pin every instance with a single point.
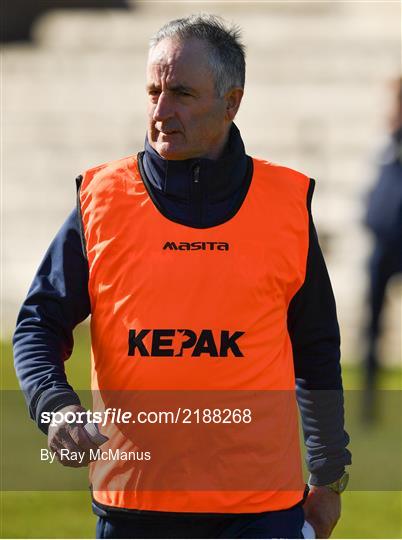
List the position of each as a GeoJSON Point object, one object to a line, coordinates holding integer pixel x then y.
{"type": "Point", "coordinates": [365, 514]}
{"type": "Point", "coordinates": [61, 514]}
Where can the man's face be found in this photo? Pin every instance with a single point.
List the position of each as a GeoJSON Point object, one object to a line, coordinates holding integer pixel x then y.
{"type": "Point", "coordinates": [186, 119]}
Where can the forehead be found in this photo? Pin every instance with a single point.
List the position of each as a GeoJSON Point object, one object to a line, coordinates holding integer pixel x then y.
{"type": "Point", "coordinates": [179, 61]}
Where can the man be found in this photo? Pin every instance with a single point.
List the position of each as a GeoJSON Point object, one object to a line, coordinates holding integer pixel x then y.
{"type": "Point", "coordinates": [384, 220]}
{"type": "Point", "coordinates": [202, 271]}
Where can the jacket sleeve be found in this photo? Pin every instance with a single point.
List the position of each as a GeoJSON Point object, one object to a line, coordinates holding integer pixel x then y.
{"type": "Point", "coordinates": [314, 332]}
{"type": "Point", "coordinates": [43, 340]}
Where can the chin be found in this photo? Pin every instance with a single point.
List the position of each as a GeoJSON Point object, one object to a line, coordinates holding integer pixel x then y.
{"type": "Point", "coordinates": [167, 151]}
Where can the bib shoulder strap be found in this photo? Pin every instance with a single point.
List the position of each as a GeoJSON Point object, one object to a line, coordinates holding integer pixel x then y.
{"type": "Point", "coordinates": [284, 181]}
{"type": "Point", "coordinates": [104, 176]}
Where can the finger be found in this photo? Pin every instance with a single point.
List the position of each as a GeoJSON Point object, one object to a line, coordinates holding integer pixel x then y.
{"type": "Point", "coordinates": [83, 441]}
{"type": "Point", "coordinates": [64, 441]}
{"type": "Point", "coordinates": [56, 450]}
{"type": "Point", "coordinates": [322, 531]}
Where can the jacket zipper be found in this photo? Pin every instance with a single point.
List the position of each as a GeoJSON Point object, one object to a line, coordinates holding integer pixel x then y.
{"type": "Point", "coordinates": [197, 191]}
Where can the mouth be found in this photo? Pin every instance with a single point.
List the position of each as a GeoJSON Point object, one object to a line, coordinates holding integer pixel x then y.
{"type": "Point", "coordinates": [168, 136]}
{"type": "Point", "coordinates": [168, 133]}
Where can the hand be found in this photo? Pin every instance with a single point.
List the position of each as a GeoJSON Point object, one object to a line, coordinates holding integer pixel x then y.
{"type": "Point", "coordinates": [71, 437]}
{"type": "Point", "coordinates": [322, 510]}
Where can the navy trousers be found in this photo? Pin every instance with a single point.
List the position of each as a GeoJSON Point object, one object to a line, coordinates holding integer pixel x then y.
{"type": "Point", "coordinates": [280, 524]}
{"type": "Point", "coordinates": [385, 262]}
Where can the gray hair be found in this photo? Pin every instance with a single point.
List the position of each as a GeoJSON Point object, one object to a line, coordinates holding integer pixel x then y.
{"type": "Point", "coordinates": [226, 52]}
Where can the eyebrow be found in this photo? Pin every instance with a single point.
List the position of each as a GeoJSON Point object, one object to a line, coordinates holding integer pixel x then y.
{"type": "Point", "coordinates": [175, 88]}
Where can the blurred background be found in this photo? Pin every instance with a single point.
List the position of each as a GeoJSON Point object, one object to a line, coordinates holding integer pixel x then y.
{"type": "Point", "coordinates": [321, 97]}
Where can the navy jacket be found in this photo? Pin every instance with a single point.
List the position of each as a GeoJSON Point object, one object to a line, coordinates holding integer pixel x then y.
{"type": "Point", "coordinates": [384, 209]}
{"type": "Point", "coordinates": [58, 300]}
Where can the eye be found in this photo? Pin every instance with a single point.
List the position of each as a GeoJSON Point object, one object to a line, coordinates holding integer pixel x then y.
{"type": "Point", "coordinates": [153, 95]}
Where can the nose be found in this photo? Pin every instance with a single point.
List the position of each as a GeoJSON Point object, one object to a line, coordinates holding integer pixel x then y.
{"type": "Point", "coordinates": [163, 109]}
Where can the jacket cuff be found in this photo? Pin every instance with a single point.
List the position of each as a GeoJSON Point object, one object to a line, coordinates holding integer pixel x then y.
{"type": "Point", "coordinates": [52, 400]}
{"type": "Point", "coordinates": [324, 478]}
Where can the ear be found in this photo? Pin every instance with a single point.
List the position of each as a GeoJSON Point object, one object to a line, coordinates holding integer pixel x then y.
{"type": "Point", "coordinates": [233, 99]}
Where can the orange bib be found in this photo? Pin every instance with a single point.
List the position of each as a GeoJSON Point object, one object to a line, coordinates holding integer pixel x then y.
{"type": "Point", "coordinates": [196, 319]}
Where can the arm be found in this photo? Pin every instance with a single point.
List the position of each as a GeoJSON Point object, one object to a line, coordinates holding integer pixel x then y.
{"type": "Point", "coordinates": [43, 340]}
{"type": "Point", "coordinates": [314, 332]}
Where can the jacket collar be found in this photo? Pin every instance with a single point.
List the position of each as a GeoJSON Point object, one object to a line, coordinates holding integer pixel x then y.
{"type": "Point", "coordinates": [218, 178]}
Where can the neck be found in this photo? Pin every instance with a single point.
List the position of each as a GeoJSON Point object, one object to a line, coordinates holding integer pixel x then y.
{"type": "Point", "coordinates": [218, 177]}
{"type": "Point", "coordinates": [218, 148]}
